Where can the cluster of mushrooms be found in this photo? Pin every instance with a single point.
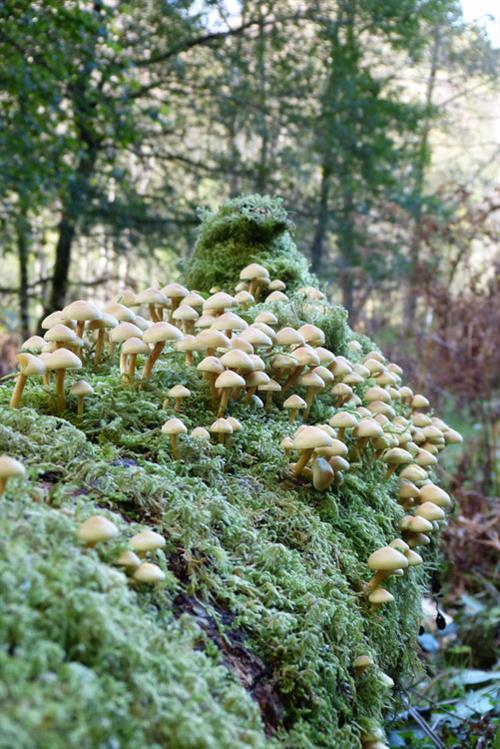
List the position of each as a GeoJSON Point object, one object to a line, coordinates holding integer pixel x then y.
{"type": "Point", "coordinates": [375, 419]}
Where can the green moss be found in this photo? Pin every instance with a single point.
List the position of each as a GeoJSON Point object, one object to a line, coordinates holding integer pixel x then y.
{"type": "Point", "coordinates": [252, 228]}
{"type": "Point", "coordinates": [250, 641]}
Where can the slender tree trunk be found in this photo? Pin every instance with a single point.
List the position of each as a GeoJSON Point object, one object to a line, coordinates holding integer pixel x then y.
{"type": "Point", "coordinates": [317, 246]}
{"type": "Point", "coordinates": [410, 307]}
{"type": "Point", "coordinates": [23, 232]}
{"type": "Point", "coordinates": [262, 168]}
{"type": "Point", "coordinates": [347, 248]}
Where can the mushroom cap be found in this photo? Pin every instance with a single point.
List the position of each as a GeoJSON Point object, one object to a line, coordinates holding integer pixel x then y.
{"type": "Point", "coordinates": [397, 456]}
{"type": "Point", "coordinates": [265, 328]}
{"type": "Point", "coordinates": [200, 433]}
{"type": "Point", "coordinates": [256, 337]}
{"type": "Point", "coordinates": [311, 380]}
{"type": "Point", "coordinates": [338, 463]}
{"type": "Point", "coordinates": [452, 437]}
{"type": "Point", "coordinates": [424, 458]}
{"type": "Point", "coordinates": [188, 343]}
{"type": "Point", "coordinates": [326, 357]}
{"type": "Point", "coordinates": [276, 296]}
{"type": "Point", "coordinates": [229, 379]}
{"type": "Point", "coordinates": [387, 558]}
{"type": "Point", "coordinates": [270, 387]}
{"type": "Point", "coordinates": [174, 426]}
{"type": "Point", "coordinates": [81, 387]}
{"type": "Point", "coordinates": [407, 489]}
{"type": "Point", "coordinates": [257, 378]}
{"type": "Point", "coordinates": [244, 297]}
{"type": "Point", "coordinates": [142, 323]}
{"type": "Point", "coordinates": [179, 391]}
{"type": "Point", "coordinates": [267, 317]}
{"type": "Point", "coordinates": [185, 313]}
{"type": "Point", "coordinates": [241, 345]}
{"type": "Point", "coordinates": [254, 270]}
{"type": "Point", "coordinates": [127, 297]}
{"type": "Point", "coordinates": [341, 389]}
{"type": "Point", "coordinates": [368, 428]}
{"type": "Point", "coordinates": [342, 367]}
{"type": "Point", "coordinates": [324, 373]}
{"type": "Point", "coordinates": [97, 528]}
{"type": "Point", "coordinates": [284, 361]}
{"type": "Point", "coordinates": [296, 402]}
{"type": "Point", "coordinates": [416, 524]}
{"type": "Point", "coordinates": [211, 338]}
{"type": "Point", "coordinates": [204, 321]}
{"type": "Point", "coordinates": [33, 343]}
{"type": "Point", "coordinates": [380, 595]}
{"type": "Point", "coordinates": [310, 438]}
{"type": "Point", "coordinates": [148, 573]}
{"type": "Point", "coordinates": [430, 511]}
{"type": "Point", "coordinates": [236, 359]}
{"type": "Point", "coordinates": [123, 331]}
{"type": "Point", "coordinates": [135, 345]}
{"type": "Point", "coordinates": [306, 355]}
{"type": "Point", "coordinates": [219, 300]}
{"type": "Point", "coordinates": [413, 558]}
{"type": "Point", "coordinates": [147, 540]}
{"type": "Point", "coordinates": [433, 493]}
{"type": "Point", "coordinates": [413, 473]}
{"type": "Point", "coordinates": [128, 559]}
{"type": "Point", "coordinates": [10, 467]}
{"type": "Point", "coordinates": [237, 425]}
{"type": "Point", "coordinates": [61, 358]}
{"type": "Point", "coordinates": [362, 662]}
{"type": "Point", "coordinates": [192, 299]}
{"type": "Point", "coordinates": [400, 545]}
{"type": "Point", "coordinates": [289, 337]}
{"type": "Point", "coordinates": [81, 310]}
{"type": "Point", "coordinates": [419, 401]}
{"type": "Point", "coordinates": [277, 285]}
{"type": "Point", "coordinates": [211, 364]}
{"type": "Point", "coordinates": [161, 332]}
{"type": "Point", "coordinates": [343, 419]}
{"type": "Point", "coordinates": [119, 311]}
{"type": "Point", "coordinates": [61, 333]}
{"type": "Point", "coordinates": [312, 334]}
{"type": "Point", "coordinates": [229, 321]}
{"type": "Point", "coordinates": [176, 291]}
{"type": "Point", "coordinates": [30, 365]}
{"type": "Point", "coordinates": [54, 318]}
{"type": "Point", "coordinates": [377, 393]}
{"type": "Point", "coordinates": [221, 426]}
{"type": "Point", "coordinates": [151, 296]}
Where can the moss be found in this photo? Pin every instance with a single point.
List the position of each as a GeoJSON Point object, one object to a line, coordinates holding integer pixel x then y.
{"type": "Point", "coordinates": [252, 228]}
{"type": "Point", "coordinates": [250, 641]}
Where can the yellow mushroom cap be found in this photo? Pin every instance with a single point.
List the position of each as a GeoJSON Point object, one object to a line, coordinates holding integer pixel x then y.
{"type": "Point", "coordinates": [362, 662]}
{"type": "Point", "coordinates": [151, 296]}
{"type": "Point", "coordinates": [81, 310]}
{"type": "Point", "coordinates": [219, 301]}
{"type": "Point", "coordinates": [179, 391]}
{"type": "Point", "coordinates": [387, 558]}
{"type": "Point", "coordinates": [125, 330]}
{"type": "Point", "coordinates": [211, 364]}
{"type": "Point", "coordinates": [61, 333]}
{"type": "Point", "coordinates": [397, 456]}
{"type": "Point", "coordinates": [161, 332]}
{"type": "Point", "coordinates": [277, 285]}
{"type": "Point", "coordinates": [192, 299]}
{"type": "Point", "coordinates": [221, 426]}
{"type": "Point", "coordinates": [325, 356]}
{"type": "Point", "coordinates": [229, 379]}
{"type": "Point", "coordinates": [452, 437]}
{"type": "Point", "coordinates": [135, 345]}
{"type": "Point", "coordinates": [433, 493]}
{"type": "Point", "coordinates": [147, 540]}
{"type": "Point", "coordinates": [61, 358]}
{"type": "Point", "coordinates": [128, 559]}
{"type": "Point", "coordinates": [10, 467]}
{"type": "Point", "coordinates": [310, 438]}
{"type": "Point", "coordinates": [253, 271]}
{"type": "Point", "coordinates": [295, 402]}
{"type": "Point", "coordinates": [81, 387]}
{"type": "Point", "coordinates": [256, 337]}
{"type": "Point", "coordinates": [380, 595]}
{"type": "Point", "coordinates": [229, 321]}
{"type": "Point", "coordinates": [400, 545]}
{"type": "Point", "coordinates": [185, 313]}
{"type": "Point", "coordinates": [175, 291]}
{"type": "Point", "coordinates": [236, 425]}
{"type": "Point", "coordinates": [236, 359]}
{"type": "Point", "coordinates": [200, 433]}
{"type": "Point", "coordinates": [30, 365]}
{"type": "Point", "coordinates": [413, 558]}
{"type": "Point", "coordinates": [97, 528]}
{"type": "Point", "coordinates": [148, 573]}
{"type": "Point", "coordinates": [312, 334]}
{"type": "Point", "coordinates": [306, 355]}
{"type": "Point", "coordinates": [267, 317]}
{"type": "Point", "coordinates": [244, 297]}
{"type": "Point", "coordinates": [419, 401]}
{"type": "Point", "coordinates": [368, 428]}
{"type": "Point", "coordinates": [33, 343]}
{"type": "Point", "coordinates": [343, 419]}
{"type": "Point", "coordinates": [120, 312]}
{"type": "Point", "coordinates": [173, 426]}
{"type": "Point", "coordinates": [413, 473]}
{"type": "Point", "coordinates": [430, 511]}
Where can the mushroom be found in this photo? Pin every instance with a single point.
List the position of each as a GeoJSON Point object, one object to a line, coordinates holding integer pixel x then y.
{"type": "Point", "coordinates": [305, 356]}
{"type": "Point", "coordinates": [342, 392]}
{"type": "Point", "coordinates": [395, 458]}
{"type": "Point", "coordinates": [312, 334]}
{"type": "Point", "coordinates": [276, 296]}
{"type": "Point", "coordinates": [175, 293]}
{"type": "Point", "coordinates": [257, 275]}
{"type": "Point", "coordinates": [148, 574]}
{"type": "Point", "coordinates": [61, 335]}
{"type": "Point", "coordinates": [267, 317]}
{"type": "Point", "coordinates": [313, 384]}
{"type": "Point", "coordinates": [129, 560]}
{"type": "Point", "coordinates": [221, 427]}
{"type": "Point", "coordinates": [361, 663]}
{"type": "Point", "coordinates": [229, 322]}
{"type": "Point", "coordinates": [200, 433]}
{"type": "Point", "coordinates": [34, 344]}
{"type": "Point", "coordinates": [173, 427]}
{"type": "Point", "coordinates": [155, 301]}
{"type": "Point", "coordinates": [269, 388]}
{"type": "Point", "coordinates": [59, 361]}
{"type": "Point", "coordinates": [433, 493]}
{"type": "Point", "coordinates": [294, 403]}
{"type": "Point", "coordinates": [341, 421]}
{"type": "Point", "coordinates": [107, 322]}
{"type": "Point", "coordinates": [187, 316]}
{"type": "Point", "coordinates": [96, 529]}
{"type": "Point", "coordinates": [178, 392]}
{"type": "Point", "coordinates": [121, 333]}
{"type": "Point", "coordinates": [379, 596]}
{"type": "Point", "coordinates": [322, 474]}
{"type": "Point", "coordinates": [9, 468]}
{"type": "Point", "coordinates": [29, 366]}
{"type": "Point", "coordinates": [306, 440]}
{"type": "Point", "coordinates": [430, 511]}
{"type": "Point", "coordinates": [365, 430]}
{"type": "Point", "coordinates": [80, 389]}
{"type": "Point", "coordinates": [188, 344]}
{"type": "Point", "coordinates": [158, 334]}
{"type": "Point", "coordinates": [210, 340]}
{"type": "Point", "coordinates": [288, 337]}
{"type": "Point", "coordinates": [383, 562]}
{"type": "Point", "coordinates": [147, 541]}
{"type": "Point", "coordinates": [131, 348]}
{"type": "Point", "coordinates": [211, 367]}
{"type": "Point", "coordinates": [225, 382]}
{"type": "Point", "coordinates": [218, 303]}
{"type": "Point", "coordinates": [81, 311]}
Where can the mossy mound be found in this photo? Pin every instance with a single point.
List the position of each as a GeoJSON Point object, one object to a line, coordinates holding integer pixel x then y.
{"type": "Point", "coordinates": [251, 638]}
{"type": "Point", "coordinates": [243, 230]}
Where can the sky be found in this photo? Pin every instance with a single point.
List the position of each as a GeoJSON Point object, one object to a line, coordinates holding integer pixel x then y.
{"type": "Point", "coordinates": [477, 10]}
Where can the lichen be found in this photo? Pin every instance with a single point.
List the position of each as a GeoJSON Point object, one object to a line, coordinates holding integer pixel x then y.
{"type": "Point", "coordinates": [253, 559]}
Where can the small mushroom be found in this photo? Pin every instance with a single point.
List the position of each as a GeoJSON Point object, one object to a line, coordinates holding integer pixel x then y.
{"type": "Point", "coordinates": [158, 334]}
{"type": "Point", "coordinates": [178, 393]}
{"type": "Point", "coordinates": [361, 663]}
{"type": "Point", "coordinates": [29, 365]}
{"type": "Point", "coordinates": [131, 348]}
{"type": "Point", "coordinates": [383, 562]}
{"type": "Point", "coordinates": [322, 474]}
{"type": "Point", "coordinates": [148, 573]}
{"type": "Point", "coordinates": [81, 311]}
{"type": "Point", "coordinates": [294, 404]}
{"type": "Point", "coordinates": [81, 389]}
{"type": "Point", "coordinates": [129, 560]}
{"type": "Point", "coordinates": [200, 433]}
{"type": "Point", "coordinates": [343, 420]}
{"type": "Point", "coordinates": [379, 596]}
{"type": "Point", "coordinates": [173, 427]}
{"type": "Point", "coordinates": [147, 541]}
{"type": "Point", "coordinates": [224, 383]}
{"type": "Point", "coordinates": [395, 458]}
{"type": "Point", "coordinates": [96, 529]}
{"type": "Point", "coordinates": [221, 427]}
{"type": "Point", "coordinates": [9, 468]}
{"type": "Point", "coordinates": [306, 440]}
{"type": "Point", "coordinates": [61, 360]}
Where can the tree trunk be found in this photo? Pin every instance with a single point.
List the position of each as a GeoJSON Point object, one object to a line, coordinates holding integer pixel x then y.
{"type": "Point", "coordinates": [23, 232]}
{"type": "Point", "coordinates": [347, 248]}
{"type": "Point", "coordinates": [317, 246]}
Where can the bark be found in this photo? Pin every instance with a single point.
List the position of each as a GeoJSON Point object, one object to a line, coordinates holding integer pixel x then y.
{"type": "Point", "coordinates": [317, 246]}
{"type": "Point", "coordinates": [346, 244]}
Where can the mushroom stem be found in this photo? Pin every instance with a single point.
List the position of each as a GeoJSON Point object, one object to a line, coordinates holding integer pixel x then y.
{"type": "Point", "coordinates": [390, 471]}
{"type": "Point", "coordinates": [178, 404]}
{"type": "Point", "coordinates": [79, 408]}
{"type": "Point", "coordinates": [309, 400]}
{"type": "Point", "coordinates": [173, 442]}
{"type": "Point", "coordinates": [189, 358]}
{"type": "Point", "coordinates": [154, 355]}
{"type": "Point", "coordinates": [132, 362]}
{"type": "Point", "coordinates": [99, 347]}
{"type": "Point", "coordinates": [302, 462]}
{"type": "Point", "coordinates": [152, 313]}
{"type": "Point", "coordinates": [340, 433]}
{"type": "Point", "coordinates": [61, 398]}
{"type": "Point", "coordinates": [221, 438]}
{"type": "Point", "coordinates": [376, 580]}
{"type": "Point", "coordinates": [293, 414]}
{"type": "Point", "coordinates": [269, 400]}
{"type": "Point", "coordinates": [174, 302]}
{"type": "Point", "coordinates": [292, 379]}
{"type": "Point", "coordinates": [80, 327]}
{"type": "Point", "coordinates": [18, 390]}
{"type": "Point", "coordinates": [223, 402]}
{"type": "Point", "coordinates": [3, 485]}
